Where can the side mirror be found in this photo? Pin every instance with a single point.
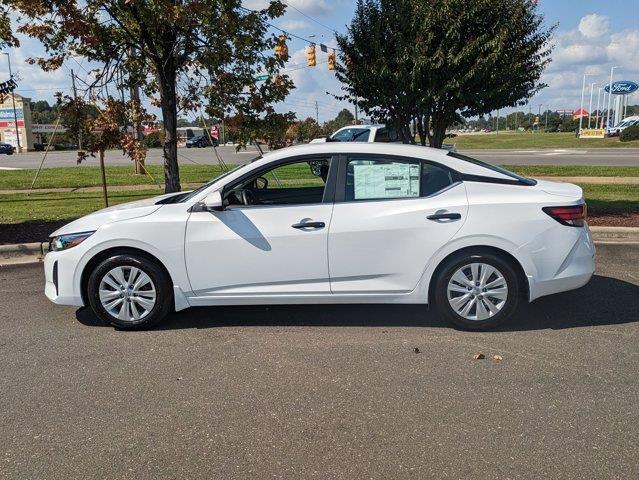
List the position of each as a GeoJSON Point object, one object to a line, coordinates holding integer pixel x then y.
{"type": "Point", "coordinates": [213, 202]}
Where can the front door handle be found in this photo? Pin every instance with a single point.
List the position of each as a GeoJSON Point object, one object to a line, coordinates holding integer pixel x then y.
{"type": "Point", "coordinates": [444, 216]}
{"type": "Point", "coordinates": [309, 225]}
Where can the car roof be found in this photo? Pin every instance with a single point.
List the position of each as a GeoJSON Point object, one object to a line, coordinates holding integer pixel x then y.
{"type": "Point", "coordinates": [381, 148]}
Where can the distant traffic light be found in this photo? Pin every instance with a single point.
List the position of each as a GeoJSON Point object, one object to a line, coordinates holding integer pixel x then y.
{"type": "Point", "coordinates": [281, 49]}
{"type": "Point", "coordinates": [277, 80]}
{"type": "Point", "coordinates": [310, 56]}
{"type": "Point", "coordinates": [331, 60]}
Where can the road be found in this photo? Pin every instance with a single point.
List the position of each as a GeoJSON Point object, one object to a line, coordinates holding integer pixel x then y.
{"type": "Point", "coordinates": [593, 156]}
{"type": "Point", "coordinates": [323, 392]}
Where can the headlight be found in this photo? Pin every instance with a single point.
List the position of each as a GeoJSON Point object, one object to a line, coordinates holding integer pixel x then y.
{"type": "Point", "coordinates": [64, 242]}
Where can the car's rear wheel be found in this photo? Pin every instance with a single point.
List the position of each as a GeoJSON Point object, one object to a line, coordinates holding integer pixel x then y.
{"type": "Point", "coordinates": [130, 292]}
{"type": "Point", "coordinates": [477, 291]}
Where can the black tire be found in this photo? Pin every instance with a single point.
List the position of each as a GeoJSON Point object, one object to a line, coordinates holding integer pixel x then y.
{"type": "Point", "coordinates": [159, 277]}
{"type": "Point", "coordinates": [452, 265]}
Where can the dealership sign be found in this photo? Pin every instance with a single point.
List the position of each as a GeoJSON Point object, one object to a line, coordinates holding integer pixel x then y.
{"type": "Point", "coordinates": [623, 87]}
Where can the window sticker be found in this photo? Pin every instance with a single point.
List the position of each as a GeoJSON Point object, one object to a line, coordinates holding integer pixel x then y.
{"type": "Point", "coordinates": [386, 180]}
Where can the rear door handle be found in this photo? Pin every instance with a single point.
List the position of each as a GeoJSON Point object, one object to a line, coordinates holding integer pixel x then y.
{"type": "Point", "coordinates": [309, 225]}
{"type": "Point", "coordinates": [444, 216]}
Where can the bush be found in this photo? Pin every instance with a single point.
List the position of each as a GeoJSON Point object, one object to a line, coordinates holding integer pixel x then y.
{"type": "Point", "coordinates": [152, 140]}
{"type": "Point", "coordinates": [629, 134]}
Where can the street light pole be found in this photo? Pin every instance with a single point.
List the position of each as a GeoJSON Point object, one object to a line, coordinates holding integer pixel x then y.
{"type": "Point", "coordinates": [598, 111]}
{"type": "Point", "coordinates": [592, 86]}
{"type": "Point", "coordinates": [13, 100]}
{"type": "Point", "coordinates": [609, 96]}
{"type": "Point", "coordinates": [581, 107]}
{"type": "Point", "coordinates": [546, 128]}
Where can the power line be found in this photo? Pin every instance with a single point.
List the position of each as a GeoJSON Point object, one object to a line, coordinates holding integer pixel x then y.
{"type": "Point", "coordinates": [289, 34]}
{"type": "Point", "coordinates": [309, 17]}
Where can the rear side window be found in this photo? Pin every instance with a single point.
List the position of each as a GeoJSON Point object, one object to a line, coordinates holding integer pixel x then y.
{"type": "Point", "coordinates": [386, 135]}
{"type": "Point", "coordinates": [385, 178]}
{"type": "Point", "coordinates": [494, 168]}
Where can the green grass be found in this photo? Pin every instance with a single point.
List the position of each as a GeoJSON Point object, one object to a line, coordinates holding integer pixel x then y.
{"type": "Point", "coordinates": [18, 208]}
{"type": "Point", "coordinates": [85, 176]}
{"type": "Point", "coordinates": [573, 171]}
{"type": "Point", "coordinates": [522, 140]}
{"type": "Point", "coordinates": [612, 198]}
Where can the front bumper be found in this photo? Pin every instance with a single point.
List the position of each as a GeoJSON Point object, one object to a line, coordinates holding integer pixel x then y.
{"type": "Point", "coordinates": [59, 286]}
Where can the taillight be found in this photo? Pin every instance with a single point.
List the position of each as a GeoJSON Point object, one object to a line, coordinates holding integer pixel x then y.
{"type": "Point", "coordinates": [572, 215]}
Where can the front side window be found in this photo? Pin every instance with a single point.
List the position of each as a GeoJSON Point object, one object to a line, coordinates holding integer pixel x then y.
{"type": "Point", "coordinates": [375, 178]}
{"type": "Point", "coordinates": [295, 183]}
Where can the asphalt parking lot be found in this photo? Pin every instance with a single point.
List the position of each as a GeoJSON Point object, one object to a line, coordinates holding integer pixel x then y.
{"type": "Point", "coordinates": [323, 392]}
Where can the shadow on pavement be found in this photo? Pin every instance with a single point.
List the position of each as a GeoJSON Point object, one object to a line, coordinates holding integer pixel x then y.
{"type": "Point", "coordinates": [604, 301]}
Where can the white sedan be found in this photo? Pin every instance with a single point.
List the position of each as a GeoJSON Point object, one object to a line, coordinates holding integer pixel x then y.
{"type": "Point", "coordinates": [331, 223]}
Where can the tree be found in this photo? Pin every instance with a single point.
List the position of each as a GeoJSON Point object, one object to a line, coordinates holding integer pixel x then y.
{"type": "Point", "coordinates": [435, 62]}
{"type": "Point", "coordinates": [7, 38]}
{"type": "Point", "coordinates": [305, 130]}
{"type": "Point", "coordinates": [343, 118]}
{"type": "Point", "coordinates": [180, 50]}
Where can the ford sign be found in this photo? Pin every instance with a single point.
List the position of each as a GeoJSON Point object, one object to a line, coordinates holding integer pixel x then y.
{"type": "Point", "coordinates": [623, 87]}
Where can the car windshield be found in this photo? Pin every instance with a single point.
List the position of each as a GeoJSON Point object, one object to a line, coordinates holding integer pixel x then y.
{"type": "Point", "coordinates": [183, 197]}
{"type": "Point", "coordinates": [351, 135]}
{"type": "Point", "coordinates": [494, 168]}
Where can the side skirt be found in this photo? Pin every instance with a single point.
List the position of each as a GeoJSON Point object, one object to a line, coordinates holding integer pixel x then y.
{"type": "Point", "coordinates": [302, 299]}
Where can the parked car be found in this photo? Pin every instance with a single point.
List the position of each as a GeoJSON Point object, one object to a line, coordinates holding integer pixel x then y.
{"type": "Point", "coordinates": [362, 223]}
{"type": "Point", "coordinates": [367, 133]}
{"type": "Point", "coordinates": [621, 126]}
{"type": "Point", "coordinates": [201, 141]}
{"type": "Point", "coordinates": [6, 149]}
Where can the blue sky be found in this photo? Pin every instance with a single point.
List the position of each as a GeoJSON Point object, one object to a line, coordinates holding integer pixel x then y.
{"type": "Point", "coordinates": [591, 37]}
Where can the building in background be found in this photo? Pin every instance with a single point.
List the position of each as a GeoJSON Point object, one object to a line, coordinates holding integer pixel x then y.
{"type": "Point", "coordinates": [8, 123]}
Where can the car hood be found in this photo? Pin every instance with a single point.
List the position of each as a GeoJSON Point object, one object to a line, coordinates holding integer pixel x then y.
{"type": "Point", "coordinates": [116, 213]}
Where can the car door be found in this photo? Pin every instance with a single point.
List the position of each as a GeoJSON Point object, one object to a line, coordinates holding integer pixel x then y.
{"type": "Point", "coordinates": [275, 244]}
{"type": "Point", "coordinates": [391, 215]}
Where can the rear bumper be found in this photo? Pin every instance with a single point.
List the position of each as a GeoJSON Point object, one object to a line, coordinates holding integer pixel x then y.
{"type": "Point", "coordinates": [570, 266]}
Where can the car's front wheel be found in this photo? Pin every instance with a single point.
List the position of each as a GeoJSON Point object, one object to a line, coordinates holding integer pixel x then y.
{"type": "Point", "coordinates": [130, 291]}
{"type": "Point", "coordinates": [477, 291]}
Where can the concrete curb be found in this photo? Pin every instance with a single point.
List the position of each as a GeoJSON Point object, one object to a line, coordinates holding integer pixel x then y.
{"type": "Point", "coordinates": [23, 253]}
{"type": "Point", "coordinates": [35, 252]}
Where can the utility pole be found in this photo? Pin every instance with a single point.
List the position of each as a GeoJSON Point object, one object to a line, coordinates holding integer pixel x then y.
{"type": "Point", "coordinates": [13, 100]}
{"type": "Point", "coordinates": [75, 97]}
{"type": "Point", "coordinates": [316, 112]}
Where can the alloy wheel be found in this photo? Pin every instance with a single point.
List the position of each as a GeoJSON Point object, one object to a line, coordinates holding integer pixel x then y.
{"type": "Point", "coordinates": [477, 291]}
{"type": "Point", "coordinates": [127, 293]}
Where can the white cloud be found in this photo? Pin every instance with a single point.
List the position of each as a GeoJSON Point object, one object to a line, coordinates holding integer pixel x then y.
{"type": "Point", "coordinates": [310, 7]}
{"type": "Point", "coordinates": [593, 25]}
{"type": "Point", "coordinates": [293, 25]}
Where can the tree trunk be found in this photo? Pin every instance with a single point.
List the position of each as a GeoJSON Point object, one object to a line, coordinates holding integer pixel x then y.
{"type": "Point", "coordinates": [168, 98]}
{"type": "Point", "coordinates": [436, 139]}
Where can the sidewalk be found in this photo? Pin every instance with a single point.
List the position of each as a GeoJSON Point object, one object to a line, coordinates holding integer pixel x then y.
{"type": "Point", "coordinates": [190, 186]}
